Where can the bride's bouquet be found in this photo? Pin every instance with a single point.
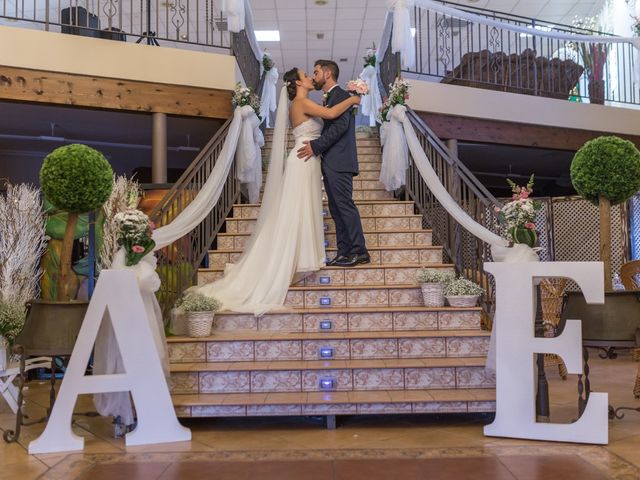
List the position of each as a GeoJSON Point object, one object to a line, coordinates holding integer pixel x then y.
{"type": "Point", "coordinates": [357, 87]}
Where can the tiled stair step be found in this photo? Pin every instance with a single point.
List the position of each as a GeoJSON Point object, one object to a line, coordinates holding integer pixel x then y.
{"type": "Point", "coordinates": [363, 378]}
{"type": "Point", "coordinates": [365, 207]}
{"type": "Point", "coordinates": [411, 238]}
{"type": "Point", "coordinates": [379, 255]}
{"type": "Point", "coordinates": [362, 150]}
{"type": "Point", "coordinates": [340, 276]}
{"type": "Point", "coordinates": [366, 185]}
{"type": "Point", "coordinates": [370, 223]}
{"type": "Point", "coordinates": [353, 320]}
{"type": "Point", "coordinates": [361, 142]}
{"type": "Point", "coordinates": [466, 400]}
{"type": "Point", "coordinates": [269, 346]}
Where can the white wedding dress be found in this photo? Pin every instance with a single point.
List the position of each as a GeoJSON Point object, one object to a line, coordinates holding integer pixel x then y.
{"type": "Point", "coordinates": [288, 237]}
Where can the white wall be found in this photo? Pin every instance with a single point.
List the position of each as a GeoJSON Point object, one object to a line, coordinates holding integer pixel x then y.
{"type": "Point", "coordinates": [511, 107]}
{"type": "Point", "coordinates": [58, 52]}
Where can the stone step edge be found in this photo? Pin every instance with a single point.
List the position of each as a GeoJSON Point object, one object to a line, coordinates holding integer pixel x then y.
{"type": "Point", "coordinates": [413, 215]}
{"type": "Point", "coordinates": [361, 396]}
{"type": "Point", "coordinates": [358, 267]}
{"type": "Point", "coordinates": [361, 202]}
{"type": "Point", "coordinates": [246, 234]}
{"type": "Point", "coordinates": [285, 365]}
{"type": "Point", "coordinates": [276, 335]}
{"type": "Point", "coordinates": [372, 248]}
{"type": "Point", "coordinates": [347, 310]}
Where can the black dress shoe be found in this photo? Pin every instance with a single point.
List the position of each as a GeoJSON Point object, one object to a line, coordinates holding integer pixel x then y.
{"type": "Point", "coordinates": [353, 260]}
{"type": "Point", "coordinates": [333, 261]}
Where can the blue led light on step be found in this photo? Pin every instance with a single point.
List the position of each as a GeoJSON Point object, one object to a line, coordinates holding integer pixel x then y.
{"type": "Point", "coordinates": [326, 352]}
{"type": "Point", "coordinates": [326, 325]}
{"type": "Point", "coordinates": [326, 243]}
{"type": "Point", "coordinates": [324, 280]}
{"type": "Point", "coordinates": [325, 301]}
{"type": "Point", "coordinates": [325, 213]}
{"type": "Point", "coordinates": [326, 227]}
{"type": "Point", "coordinates": [327, 384]}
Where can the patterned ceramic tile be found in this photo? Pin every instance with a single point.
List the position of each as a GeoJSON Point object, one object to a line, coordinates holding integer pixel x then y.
{"type": "Point", "coordinates": [232, 226]}
{"type": "Point", "coordinates": [373, 408]}
{"type": "Point", "coordinates": [439, 407]}
{"type": "Point", "coordinates": [276, 381]}
{"type": "Point", "coordinates": [467, 346]}
{"type": "Point", "coordinates": [338, 321]}
{"type": "Point", "coordinates": [281, 322]}
{"type": "Point", "coordinates": [378, 379]}
{"type": "Point", "coordinates": [375, 257]}
{"type": "Point", "coordinates": [186, 382]}
{"type": "Point", "coordinates": [369, 166]}
{"type": "Point", "coordinates": [358, 195]}
{"type": "Point", "coordinates": [415, 223]}
{"type": "Point", "coordinates": [312, 298]}
{"type": "Point", "coordinates": [186, 352]}
{"type": "Point", "coordinates": [366, 209]}
{"type": "Point", "coordinates": [458, 320]}
{"type": "Point", "coordinates": [183, 412]}
{"type": "Point", "coordinates": [278, 350]}
{"type": "Point", "coordinates": [416, 378]}
{"type": "Point", "coordinates": [371, 239]}
{"type": "Point", "coordinates": [343, 380]}
{"type": "Point", "coordinates": [415, 321]}
{"type": "Point", "coordinates": [245, 226]}
{"type": "Point", "coordinates": [430, 256]}
{"type": "Point", "coordinates": [332, 276]}
{"type": "Point", "coordinates": [294, 299]}
{"type": "Point", "coordinates": [482, 406]}
{"type": "Point", "coordinates": [393, 224]}
{"type": "Point", "coordinates": [400, 276]}
{"type": "Point", "coordinates": [208, 277]}
{"type": "Point", "coordinates": [364, 276]}
{"type": "Point", "coordinates": [240, 242]}
{"type": "Point", "coordinates": [225, 242]}
{"type": "Point", "coordinates": [230, 351]}
{"type": "Point", "coordinates": [395, 257]}
{"type": "Point", "coordinates": [376, 195]}
{"type": "Point", "coordinates": [421, 347]}
{"type": "Point", "coordinates": [219, 411]}
{"type": "Point", "coordinates": [272, 410]}
{"type": "Point", "coordinates": [234, 257]}
{"type": "Point", "coordinates": [330, 409]}
{"type": "Point", "coordinates": [374, 348]}
{"type": "Point", "coordinates": [404, 297]}
{"type": "Point", "coordinates": [370, 322]}
{"type": "Point", "coordinates": [423, 239]}
{"type": "Point", "coordinates": [217, 259]}
{"type": "Point", "coordinates": [225, 382]}
{"type": "Point", "coordinates": [387, 209]}
{"type": "Point", "coordinates": [397, 239]}
{"type": "Point", "coordinates": [234, 322]}
{"type": "Point", "coordinates": [367, 298]}
{"type": "Point", "coordinates": [368, 224]}
{"type": "Point", "coordinates": [410, 209]}
{"type": "Point", "coordinates": [475, 377]}
{"type": "Point", "coordinates": [369, 175]}
{"type": "Point", "coordinates": [311, 349]}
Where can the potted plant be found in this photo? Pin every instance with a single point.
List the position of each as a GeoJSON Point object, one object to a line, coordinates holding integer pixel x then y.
{"type": "Point", "coordinates": [432, 282]}
{"type": "Point", "coordinates": [606, 171]}
{"type": "Point", "coordinates": [461, 292]}
{"type": "Point", "coordinates": [200, 311]}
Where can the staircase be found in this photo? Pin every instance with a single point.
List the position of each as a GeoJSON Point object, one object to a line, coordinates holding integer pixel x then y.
{"type": "Point", "coordinates": [356, 341]}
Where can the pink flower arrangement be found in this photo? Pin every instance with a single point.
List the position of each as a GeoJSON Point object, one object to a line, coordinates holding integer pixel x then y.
{"type": "Point", "coordinates": [519, 214]}
{"type": "Point", "coordinates": [137, 249]}
{"type": "Point", "coordinates": [358, 87]}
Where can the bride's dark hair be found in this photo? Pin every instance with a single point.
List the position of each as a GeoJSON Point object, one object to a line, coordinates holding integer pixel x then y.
{"type": "Point", "coordinates": [291, 77]}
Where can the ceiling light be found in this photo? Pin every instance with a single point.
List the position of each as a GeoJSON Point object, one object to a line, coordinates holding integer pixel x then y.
{"type": "Point", "coordinates": [413, 32]}
{"type": "Point", "coordinates": [268, 35]}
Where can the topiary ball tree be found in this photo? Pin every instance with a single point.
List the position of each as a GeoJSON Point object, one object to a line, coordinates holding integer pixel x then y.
{"type": "Point", "coordinates": [606, 171]}
{"type": "Point", "coordinates": [78, 179]}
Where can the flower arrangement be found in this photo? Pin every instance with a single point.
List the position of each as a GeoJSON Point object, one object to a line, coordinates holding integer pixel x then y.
{"type": "Point", "coordinates": [462, 286]}
{"type": "Point", "coordinates": [433, 275]}
{"type": "Point", "coordinates": [134, 234]}
{"type": "Point", "coordinates": [357, 87]}
{"type": "Point", "coordinates": [398, 95]}
{"type": "Point", "coordinates": [196, 302]}
{"type": "Point", "coordinates": [519, 214]}
{"type": "Point", "coordinates": [636, 26]}
{"type": "Point", "coordinates": [370, 58]}
{"type": "Point", "coordinates": [244, 96]}
{"type": "Point", "coordinates": [267, 62]}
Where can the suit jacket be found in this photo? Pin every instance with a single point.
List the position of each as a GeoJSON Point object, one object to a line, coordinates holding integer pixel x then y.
{"type": "Point", "coordinates": [337, 143]}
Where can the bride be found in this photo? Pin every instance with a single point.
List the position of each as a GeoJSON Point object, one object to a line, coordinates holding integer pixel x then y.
{"type": "Point", "coordinates": [288, 237]}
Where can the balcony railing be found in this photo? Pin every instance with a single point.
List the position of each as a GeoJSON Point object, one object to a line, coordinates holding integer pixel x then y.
{"type": "Point", "coordinates": [457, 51]}
{"type": "Point", "coordinates": [174, 23]}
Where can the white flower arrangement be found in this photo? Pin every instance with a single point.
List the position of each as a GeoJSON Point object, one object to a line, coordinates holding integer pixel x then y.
{"type": "Point", "coordinates": [398, 95]}
{"type": "Point", "coordinates": [462, 286]}
{"type": "Point", "coordinates": [433, 275]}
{"type": "Point", "coordinates": [134, 234]}
{"type": "Point", "coordinates": [196, 302]}
{"type": "Point", "coordinates": [244, 96]}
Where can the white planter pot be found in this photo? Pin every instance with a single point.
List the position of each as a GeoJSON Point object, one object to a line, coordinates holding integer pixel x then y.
{"type": "Point", "coordinates": [199, 324]}
{"type": "Point", "coordinates": [462, 300]}
{"type": "Point", "coordinates": [432, 294]}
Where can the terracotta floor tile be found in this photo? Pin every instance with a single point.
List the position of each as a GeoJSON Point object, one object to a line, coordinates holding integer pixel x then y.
{"type": "Point", "coordinates": [130, 471]}
{"type": "Point", "coordinates": [540, 467]}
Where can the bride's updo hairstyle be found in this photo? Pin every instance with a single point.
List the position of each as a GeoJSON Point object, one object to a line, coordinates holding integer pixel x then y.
{"type": "Point", "coordinates": [291, 77]}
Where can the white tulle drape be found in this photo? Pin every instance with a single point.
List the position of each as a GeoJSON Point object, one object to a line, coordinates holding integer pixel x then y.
{"type": "Point", "coordinates": [249, 156]}
{"type": "Point", "coordinates": [401, 39]}
{"type": "Point", "coordinates": [245, 121]}
{"type": "Point", "coordinates": [106, 356]}
{"type": "Point", "coordinates": [268, 98]}
{"type": "Point", "coordinates": [395, 153]}
{"type": "Point", "coordinates": [234, 10]}
{"type": "Point", "coordinates": [371, 103]}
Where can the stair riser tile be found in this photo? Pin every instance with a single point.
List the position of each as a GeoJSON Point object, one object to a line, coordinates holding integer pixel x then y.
{"type": "Point", "coordinates": [383, 408]}
{"type": "Point", "coordinates": [186, 352]}
{"type": "Point", "coordinates": [386, 209]}
{"type": "Point", "coordinates": [405, 297]}
{"type": "Point", "coordinates": [422, 347]}
{"type": "Point", "coordinates": [370, 322]}
{"type": "Point", "coordinates": [240, 351]}
{"type": "Point", "coordinates": [280, 322]}
{"type": "Point", "coordinates": [363, 151]}
{"type": "Point", "coordinates": [373, 166]}
{"type": "Point", "coordinates": [311, 349]}
{"type": "Point", "coordinates": [278, 350]}
{"type": "Point", "coordinates": [184, 383]}
{"type": "Point", "coordinates": [281, 381]}
{"type": "Point", "coordinates": [481, 407]}
{"type": "Point", "coordinates": [440, 407]}
{"type": "Point", "coordinates": [392, 224]}
{"type": "Point", "coordinates": [459, 320]}
{"type": "Point", "coordinates": [330, 409]}
{"type": "Point", "coordinates": [208, 277]}
{"type": "Point", "coordinates": [317, 299]}
{"type": "Point", "coordinates": [467, 346]}
{"type": "Point", "coordinates": [372, 195]}
{"type": "Point", "coordinates": [342, 380]}
{"type": "Point", "coordinates": [368, 298]}
{"type": "Point", "coordinates": [431, 378]}
{"type": "Point", "coordinates": [273, 410]}
{"type": "Point", "coordinates": [378, 379]}
{"type": "Point", "coordinates": [224, 323]}
{"type": "Point", "coordinates": [367, 175]}
{"type": "Point", "coordinates": [374, 348]}
{"type": "Point", "coordinates": [368, 185]}
{"type": "Point", "coordinates": [405, 321]}
{"type": "Point", "coordinates": [225, 382]}
{"type": "Point", "coordinates": [219, 411]}
{"type": "Point", "coordinates": [339, 322]}
{"type": "Point", "coordinates": [475, 377]}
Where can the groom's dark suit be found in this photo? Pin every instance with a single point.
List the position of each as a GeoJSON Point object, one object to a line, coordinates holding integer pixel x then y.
{"type": "Point", "coordinates": [337, 145]}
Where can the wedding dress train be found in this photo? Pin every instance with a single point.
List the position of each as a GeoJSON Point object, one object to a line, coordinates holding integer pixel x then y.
{"type": "Point", "coordinates": [288, 237]}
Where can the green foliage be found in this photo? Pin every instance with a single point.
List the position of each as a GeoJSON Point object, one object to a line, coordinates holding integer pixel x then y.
{"type": "Point", "coordinates": [76, 178]}
{"type": "Point", "coordinates": [462, 286]}
{"type": "Point", "coordinates": [608, 166]}
{"type": "Point", "coordinates": [433, 275]}
{"type": "Point", "coordinates": [195, 302]}
{"type": "Point", "coordinates": [12, 316]}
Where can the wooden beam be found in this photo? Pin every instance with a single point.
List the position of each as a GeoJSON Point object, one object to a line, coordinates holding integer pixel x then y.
{"type": "Point", "coordinates": [18, 84]}
{"type": "Point", "coordinates": [509, 133]}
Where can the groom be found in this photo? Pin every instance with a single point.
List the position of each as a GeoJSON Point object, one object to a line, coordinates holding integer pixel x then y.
{"type": "Point", "coordinates": [337, 146]}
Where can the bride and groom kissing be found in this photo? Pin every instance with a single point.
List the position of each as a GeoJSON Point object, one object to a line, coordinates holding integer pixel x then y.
{"type": "Point", "coordinates": [287, 241]}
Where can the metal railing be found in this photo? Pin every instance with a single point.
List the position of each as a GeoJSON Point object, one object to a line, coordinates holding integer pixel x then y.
{"type": "Point", "coordinates": [196, 22]}
{"type": "Point", "coordinates": [473, 54]}
{"type": "Point", "coordinates": [248, 64]}
{"type": "Point", "coordinates": [179, 262]}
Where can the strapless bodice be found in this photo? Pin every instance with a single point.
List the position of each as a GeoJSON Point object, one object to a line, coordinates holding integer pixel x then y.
{"type": "Point", "coordinates": [309, 129]}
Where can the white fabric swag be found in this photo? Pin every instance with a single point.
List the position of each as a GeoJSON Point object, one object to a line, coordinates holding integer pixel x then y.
{"type": "Point", "coordinates": [243, 142]}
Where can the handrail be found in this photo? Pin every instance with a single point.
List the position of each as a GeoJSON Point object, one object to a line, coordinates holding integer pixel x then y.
{"type": "Point", "coordinates": [178, 263]}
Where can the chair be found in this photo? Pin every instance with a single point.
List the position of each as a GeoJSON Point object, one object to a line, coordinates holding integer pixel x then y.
{"type": "Point", "coordinates": [8, 389]}
{"type": "Point", "coordinates": [630, 275]}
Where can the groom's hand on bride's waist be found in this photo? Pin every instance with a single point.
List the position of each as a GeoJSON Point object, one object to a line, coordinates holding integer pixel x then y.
{"type": "Point", "coordinates": [305, 152]}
